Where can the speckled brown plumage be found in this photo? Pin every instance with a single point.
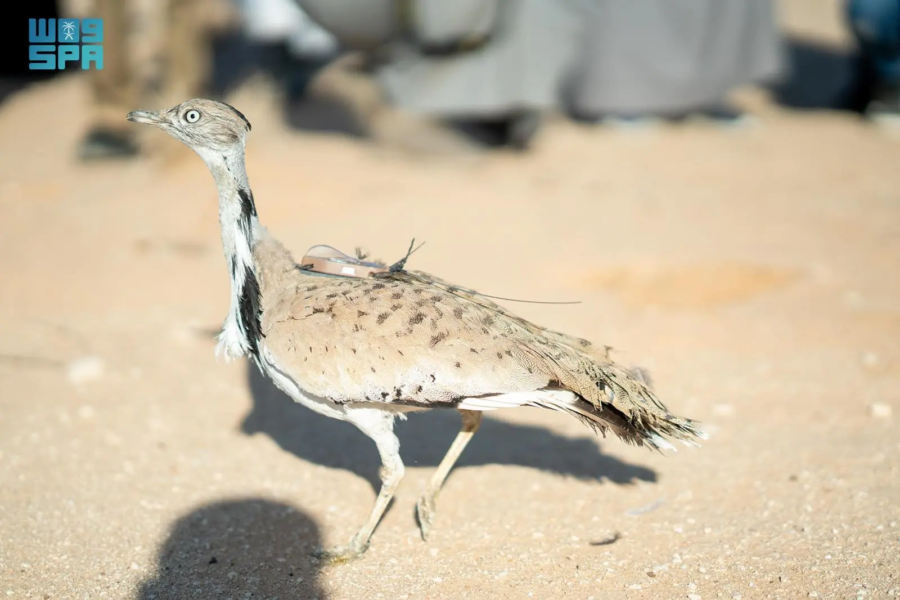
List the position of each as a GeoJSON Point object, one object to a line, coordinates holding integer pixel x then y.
{"type": "Point", "coordinates": [414, 339]}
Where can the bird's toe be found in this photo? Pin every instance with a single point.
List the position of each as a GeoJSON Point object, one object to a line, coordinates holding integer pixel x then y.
{"type": "Point", "coordinates": [340, 554]}
{"type": "Point", "coordinates": [425, 511]}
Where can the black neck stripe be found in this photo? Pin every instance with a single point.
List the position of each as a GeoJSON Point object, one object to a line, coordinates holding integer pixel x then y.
{"type": "Point", "coordinates": [249, 311]}
{"type": "Point", "coordinates": [240, 114]}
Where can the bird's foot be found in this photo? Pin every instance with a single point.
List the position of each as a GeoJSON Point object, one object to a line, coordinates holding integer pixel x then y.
{"type": "Point", "coordinates": [342, 554]}
{"type": "Point", "coordinates": [425, 511]}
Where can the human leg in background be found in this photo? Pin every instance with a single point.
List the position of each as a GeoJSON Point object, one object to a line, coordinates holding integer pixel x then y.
{"type": "Point", "coordinates": [876, 25]}
{"type": "Point", "coordinates": [311, 49]}
{"type": "Point", "coordinates": [113, 88]}
{"type": "Point", "coordinates": [284, 43]}
{"type": "Point", "coordinates": [672, 59]}
{"type": "Point", "coordinates": [188, 49]}
{"type": "Point", "coordinates": [496, 89]}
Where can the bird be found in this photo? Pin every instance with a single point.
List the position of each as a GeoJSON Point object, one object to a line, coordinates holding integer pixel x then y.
{"type": "Point", "coordinates": [368, 350]}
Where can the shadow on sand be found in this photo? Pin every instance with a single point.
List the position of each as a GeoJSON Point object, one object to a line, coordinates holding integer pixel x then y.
{"type": "Point", "coordinates": [424, 439]}
{"type": "Point", "coordinates": [234, 549]}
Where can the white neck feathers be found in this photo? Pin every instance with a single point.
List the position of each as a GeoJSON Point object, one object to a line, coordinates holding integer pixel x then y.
{"type": "Point", "coordinates": [237, 216]}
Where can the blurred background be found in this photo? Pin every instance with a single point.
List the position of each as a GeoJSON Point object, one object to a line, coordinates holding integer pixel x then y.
{"type": "Point", "coordinates": [480, 74]}
{"type": "Point", "coordinates": [715, 181]}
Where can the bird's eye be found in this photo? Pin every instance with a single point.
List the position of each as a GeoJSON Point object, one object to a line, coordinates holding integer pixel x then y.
{"type": "Point", "coordinates": [192, 116]}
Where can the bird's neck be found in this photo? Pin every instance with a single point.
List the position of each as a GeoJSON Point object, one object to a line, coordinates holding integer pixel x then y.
{"type": "Point", "coordinates": [241, 331]}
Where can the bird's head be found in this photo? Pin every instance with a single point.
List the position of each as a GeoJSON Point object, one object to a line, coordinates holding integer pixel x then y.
{"type": "Point", "coordinates": [205, 126]}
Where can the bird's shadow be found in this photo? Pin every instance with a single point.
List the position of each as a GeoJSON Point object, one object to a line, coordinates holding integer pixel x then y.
{"type": "Point", "coordinates": [424, 439]}
{"type": "Point", "coordinates": [248, 547]}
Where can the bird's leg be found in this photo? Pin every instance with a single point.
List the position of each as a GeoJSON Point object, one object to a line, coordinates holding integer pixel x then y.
{"type": "Point", "coordinates": [392, 470]}
{"type": "Point", "coordinates": [425, 509]}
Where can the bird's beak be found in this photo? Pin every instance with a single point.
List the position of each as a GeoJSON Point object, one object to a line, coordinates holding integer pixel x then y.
{"type": "Point", "coordinates": [145, 116]}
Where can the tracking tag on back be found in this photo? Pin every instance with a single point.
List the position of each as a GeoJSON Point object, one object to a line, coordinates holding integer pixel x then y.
{"type": "Point", "coordinates": [331, 261]}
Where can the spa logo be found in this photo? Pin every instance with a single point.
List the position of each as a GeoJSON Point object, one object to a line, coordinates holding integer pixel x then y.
{"type": "Point", "coordinates": [54, 43]}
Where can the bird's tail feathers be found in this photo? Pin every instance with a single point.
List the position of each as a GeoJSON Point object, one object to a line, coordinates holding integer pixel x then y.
{"type": "Point", "coordinates": [638, 428]}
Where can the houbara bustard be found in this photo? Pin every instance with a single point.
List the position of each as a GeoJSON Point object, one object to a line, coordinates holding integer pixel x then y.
{"type": "Point", "coordinates": [368, 349]}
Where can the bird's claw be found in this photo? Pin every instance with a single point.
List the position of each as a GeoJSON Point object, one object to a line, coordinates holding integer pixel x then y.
{"type": "Point", "coordinates": [425, 511]}
{"type": "Point", "coordinates": [341, 554]}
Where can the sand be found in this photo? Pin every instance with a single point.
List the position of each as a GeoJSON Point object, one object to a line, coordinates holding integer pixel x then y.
{"type": "Point", "coordinates": [754, 272]}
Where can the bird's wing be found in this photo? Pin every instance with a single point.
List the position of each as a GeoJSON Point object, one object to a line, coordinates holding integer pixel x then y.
{"type": "Point", "coordinates": [393, 340]}
{"type": "Point", "coordinates": [411, 338]}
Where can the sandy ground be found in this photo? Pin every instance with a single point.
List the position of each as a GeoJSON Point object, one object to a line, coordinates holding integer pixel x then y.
{"type": "Point", "coordinates": [754, 272]}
